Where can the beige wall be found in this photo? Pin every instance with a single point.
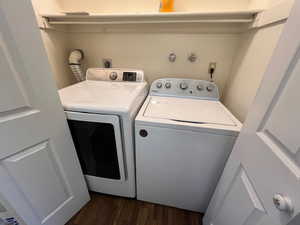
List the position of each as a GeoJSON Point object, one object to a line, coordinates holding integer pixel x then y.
{"type": "Point", "coordinates": [250, 52]}
{"type": "Point", "coordinates": [56, 45]}
{"type": "Point", "coordinates": [210, 5]}
{"type": "Point", "coordinates": [109, 6]}
{"type": "Point", "coordinates": [57, 48]}
{"type": "Point", "coordinates": [255, 50]}
{"type": "Point", "coordinates": [149, 51]}
{"type": "Point", "coordinates": [152, 5]}
{"type": "Point", "coordinates": [259, 4]}
{"type": "Point", "coordinates": [46, 5]}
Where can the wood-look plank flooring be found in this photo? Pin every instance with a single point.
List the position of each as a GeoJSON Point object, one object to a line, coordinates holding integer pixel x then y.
{"type": "Point", "coordinates": [111, 210]}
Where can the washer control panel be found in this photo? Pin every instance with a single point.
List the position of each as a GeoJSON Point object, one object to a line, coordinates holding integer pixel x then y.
{"type": "Point", "coordinates": [185, 88]}
{"type": "Point", "coordinates": [115, 74]}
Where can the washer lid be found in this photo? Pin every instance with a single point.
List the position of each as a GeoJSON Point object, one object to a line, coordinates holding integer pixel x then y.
{"type": "Point", "coordinates": [189, 110]}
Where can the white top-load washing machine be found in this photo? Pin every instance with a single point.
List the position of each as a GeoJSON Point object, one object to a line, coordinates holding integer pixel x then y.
{"type": "Point", "coordinates": [184, 136]}
{"type": "Point", "coordinates": [100, 112]}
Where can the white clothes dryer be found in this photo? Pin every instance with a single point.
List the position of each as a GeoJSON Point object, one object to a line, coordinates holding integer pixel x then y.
{"type": "Point", "coordinates": [100, 113]}
{"type": "Point", "coordinates": [184, 136]}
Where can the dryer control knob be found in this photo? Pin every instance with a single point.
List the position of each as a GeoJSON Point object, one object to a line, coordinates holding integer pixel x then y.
{"type": "Point", "coordinates": [183, 85]}
{"type": "Point", "coordinates": [113, 75]}
{"type": "Point", "coordinates": [168, 85]}
{"type": "Point", "coordinates": [200, 87]}
{"type": "Point", "coordinates": [210, 88]}
{"type": "Point", "coordinates": [158, 84]}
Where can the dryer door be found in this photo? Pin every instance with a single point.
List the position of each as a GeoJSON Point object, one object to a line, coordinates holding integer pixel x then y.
{"type": "Point", "coordinates": [98, 143]}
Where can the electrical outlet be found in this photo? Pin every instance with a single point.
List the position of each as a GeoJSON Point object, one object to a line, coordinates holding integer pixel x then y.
{"type": "Point", "coordinates": [107, 63]}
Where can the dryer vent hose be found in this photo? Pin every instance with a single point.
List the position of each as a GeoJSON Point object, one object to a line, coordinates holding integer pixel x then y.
{"type": "Point", "coordinates": [75, 64]}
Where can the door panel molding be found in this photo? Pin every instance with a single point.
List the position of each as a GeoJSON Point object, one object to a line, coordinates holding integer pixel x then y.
{"type": "Point", "coordinates": [10, 83]}
{"type": "Point", "coordinates": [274, 129]}
{"type": "Point", "coordinates": [21, 130]}
{"type": "Point", "coordinates": [28, 169]}
{"type": "Point", "coordinates": [240, 192]}
{"type": "Point", "coordinates": [278, 92]}
{"type": "Point", "coordinates": [280, 151]}
{"type": "Point", "coordinates": [17, 113]}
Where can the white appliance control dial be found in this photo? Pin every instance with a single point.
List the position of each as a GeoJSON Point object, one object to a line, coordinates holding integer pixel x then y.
{"type": "Point", "coordinates": [159, 84]}
{"type": "Point", "coordinates": [200, 87]}
{"type": "Point", "coordinates": [183, 85]}
{"type": "Point", "coordinates": [113, 75]}
{"type": "Point", "coordinates": [210, 88]}
{"type": "Point", "coordinates": [187, 88]}
{"type": "Point", "coordinates": [168, 85]}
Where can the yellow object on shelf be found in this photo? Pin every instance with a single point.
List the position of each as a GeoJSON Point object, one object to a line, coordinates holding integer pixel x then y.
{"type": "Point", "coordinates": [166, 6]}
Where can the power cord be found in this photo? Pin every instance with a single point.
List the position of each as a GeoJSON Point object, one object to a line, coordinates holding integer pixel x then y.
{"type": "Point", "coordinates": [211, 72]}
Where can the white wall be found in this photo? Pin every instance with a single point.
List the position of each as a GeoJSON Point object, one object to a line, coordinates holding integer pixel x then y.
{"type": "Point", "coordinates": [255, 50]}
{"type": "Point", "coordinates": [149, 51]}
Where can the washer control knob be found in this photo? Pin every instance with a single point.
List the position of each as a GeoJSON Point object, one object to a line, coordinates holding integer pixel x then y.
{"type": "Point", "coordinates": [113, 75]}
{"type": "Point", "coordinates": [210, 88]}
{"type": "Point", "coordinates": [158, 84]}
{"type": "Point", "coordinates": [200, 87]}
{"type": "Point", "coordinates": [168, 85]}
{"type": "Point", "coordinates": [183, 85]}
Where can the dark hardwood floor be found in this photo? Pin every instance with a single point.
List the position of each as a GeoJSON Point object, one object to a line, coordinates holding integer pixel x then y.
{"type": "Point", "coordinates": [111, 210]}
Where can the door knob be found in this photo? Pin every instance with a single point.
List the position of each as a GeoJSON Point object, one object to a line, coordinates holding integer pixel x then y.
{"type": "Point", "coordinates": [283, 203]}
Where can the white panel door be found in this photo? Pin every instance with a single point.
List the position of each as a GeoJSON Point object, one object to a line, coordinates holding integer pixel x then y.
{"type": "Point", "coordinates": [260, 184]}
{"type": "Point", "coordinates": [39, 171]}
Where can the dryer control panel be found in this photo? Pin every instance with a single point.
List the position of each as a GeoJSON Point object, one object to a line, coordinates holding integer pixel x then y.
{"type": "Point", "coordinates": [115, 74]}
{"type": "Point", "coordinates": [188, 88]}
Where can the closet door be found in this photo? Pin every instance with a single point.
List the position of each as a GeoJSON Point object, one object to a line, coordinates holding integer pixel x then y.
{"type": "Point", "coordinates": [260, 184]}
{"type": "Point", "coordinates": [40, 174]}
